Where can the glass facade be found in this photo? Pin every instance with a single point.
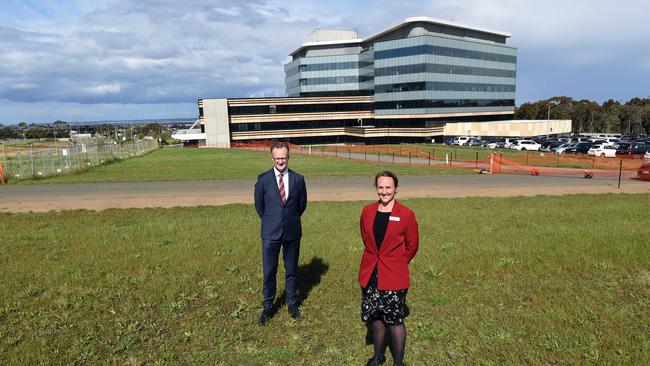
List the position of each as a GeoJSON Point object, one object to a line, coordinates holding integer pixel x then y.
{"type": "Point", "coordinates": [298, 108]}
{"type": "Point", "coordinates": [415, 68]}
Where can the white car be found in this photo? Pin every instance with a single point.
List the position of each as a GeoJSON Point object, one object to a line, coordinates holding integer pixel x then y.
{"type": "Point", "coordinates": [647, 155]}
{"type": "Point", "coordinates": [524, 145]}
{"type": "Point", "coordinates": [602, 150]}
{"type": "Point", "coordinates": [463, 140]}
{"type": "Point", "coordinates": [507, 142]}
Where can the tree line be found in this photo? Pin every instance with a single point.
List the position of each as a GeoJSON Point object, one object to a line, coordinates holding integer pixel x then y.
{"type": "Point", "coordinates": [62, 129]}
{"type": "Point", "coordinates": [631, 117]}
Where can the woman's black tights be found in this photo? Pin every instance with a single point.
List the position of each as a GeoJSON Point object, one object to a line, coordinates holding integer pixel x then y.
{"type": "Point", "coordinates": [397, 344]}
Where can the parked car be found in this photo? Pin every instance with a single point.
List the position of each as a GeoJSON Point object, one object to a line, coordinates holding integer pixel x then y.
{"type": "Point", "coordinates": [602, 150]}
{"type": "Point", "coordinates": [646, 156]}
{"type": "Point", "coordinates": [473, 142]}
{"type": "Point", "coordinates": [633, 148]}
{"type": "Point", "coordinates": [560, 149]}
{"type": "Point", "coordinates": [505, 143]}
{"type": "Point", "coordinates": [644, 171]}
{"type": "Point", "coordinates": [579, 148]}
{"type": "Point", "coordinates": [462, 140]}
{"type": "Point", "coordinates": [639, 147]}
{"type": "Point", "coordinates": [526, 145]}
{"type": "Point", "coordinates": [623, 148]}
{"type": "Point", "coordinates": [490, 140]}
{"type": "Point", "coordinates": [549, 146]}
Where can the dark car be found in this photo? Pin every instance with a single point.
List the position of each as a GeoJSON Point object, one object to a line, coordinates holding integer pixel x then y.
{"type": "Point", "coordinates": [550, 145]}
{"type": "Point", "coordinates": [632, 148]}
{"type": "Point", "coordinates": [623, 148]}
{"type": "Point", "coordinates": [644, 171]}
{"type": "Point", "coordinates": [581, 148]}
{"type": "Point", "coordinates": [639, 147]}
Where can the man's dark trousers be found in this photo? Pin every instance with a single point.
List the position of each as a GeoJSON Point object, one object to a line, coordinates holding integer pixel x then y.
{"type": "Point", "coordinates": [270, 258]}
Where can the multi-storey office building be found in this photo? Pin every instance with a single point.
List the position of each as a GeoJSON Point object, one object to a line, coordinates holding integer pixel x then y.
{"type": "Point", "coordinates": [416, 81]}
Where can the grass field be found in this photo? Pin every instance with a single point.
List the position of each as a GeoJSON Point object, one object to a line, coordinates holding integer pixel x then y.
{"type": "Point", "coordinates": [498, 281]}
{"type": "Point", "coordinates": [203, 164]}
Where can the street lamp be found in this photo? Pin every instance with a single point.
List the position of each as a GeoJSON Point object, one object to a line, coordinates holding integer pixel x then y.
{"type": "Point", "coordinates": [548, 116]}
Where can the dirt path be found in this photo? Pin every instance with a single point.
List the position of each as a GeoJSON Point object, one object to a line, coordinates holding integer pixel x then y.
{"type": "Point", "coordinates": [99, 196]}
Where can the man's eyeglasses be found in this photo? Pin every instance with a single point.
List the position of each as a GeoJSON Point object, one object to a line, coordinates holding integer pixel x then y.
{"type": "Point", "coordinates": [280, 159]}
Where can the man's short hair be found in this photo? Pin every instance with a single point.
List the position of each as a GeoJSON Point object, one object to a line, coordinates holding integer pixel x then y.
{"type": "Point", "coordinates": [279, 145]}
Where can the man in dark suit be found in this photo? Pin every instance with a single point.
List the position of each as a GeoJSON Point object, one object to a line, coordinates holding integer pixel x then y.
{"type": "Point", "coordinates": [280, 200]}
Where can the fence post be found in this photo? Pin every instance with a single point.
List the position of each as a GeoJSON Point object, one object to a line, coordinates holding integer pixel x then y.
{"type": "Point", "coordinates": [349, 152]}
{"type": "Point", "coordinates": [336, 151]}
{"type": "Point", "coordinates": [364, 154]}
{"type": "Point", "coordinates": [500, 161]}
{"type": "Point", "coordinates": [378, 156]}
{"type": "Point", "coordinates": [31, 157]}
{"type": "Point", "coordinates": [429, 158]}
{"type": "Point", "coordinates": [620, 172]}
{"type": "Point", "coordinates": [433, 153]}
{"type": "Point", "coordinates": [476, 160]}
{"type": "Point", "coordinates": [20, 166]}
{"type": "Point", "coordinates": [409, 158]}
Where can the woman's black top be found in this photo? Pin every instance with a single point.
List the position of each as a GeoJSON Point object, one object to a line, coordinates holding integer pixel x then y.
{"type": "Point", "coordinates": [379, 230]}
{"type": "Point", "coordinates": [379, 227]}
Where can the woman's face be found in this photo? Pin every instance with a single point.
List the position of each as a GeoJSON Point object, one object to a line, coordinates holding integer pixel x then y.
{"type": "Point", "coordinates": [385, 189]}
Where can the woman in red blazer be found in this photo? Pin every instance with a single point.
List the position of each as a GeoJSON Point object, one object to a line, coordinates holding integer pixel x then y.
{"type": "Point", "coordinates": [390, 238]}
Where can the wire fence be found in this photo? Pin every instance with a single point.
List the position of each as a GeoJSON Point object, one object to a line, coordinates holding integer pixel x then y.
{"type": "Point", "coordinates": [480, 160]}
{"type": "Point", "coordinates": [32, 162]}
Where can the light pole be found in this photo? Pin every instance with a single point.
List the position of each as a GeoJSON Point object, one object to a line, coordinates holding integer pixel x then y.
{"type": "Point", "coordinates": [548, 116]}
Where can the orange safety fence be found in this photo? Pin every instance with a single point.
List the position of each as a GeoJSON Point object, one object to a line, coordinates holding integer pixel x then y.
{"type": "Point", "coordinates": [2, 173]}
{"type": "Point", "coordinates": [606, 169]}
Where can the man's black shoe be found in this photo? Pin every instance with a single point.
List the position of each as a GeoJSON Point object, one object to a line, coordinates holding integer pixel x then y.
{"type": "Point", "coordinates": [374, 361]}
{"type": "Point", "coordinates": [264, 317]}
{"type": "Point", "coordinates": [294, 312]}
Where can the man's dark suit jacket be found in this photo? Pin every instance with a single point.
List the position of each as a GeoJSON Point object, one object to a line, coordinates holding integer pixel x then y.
{"type": "Point", "coordinates": [279, 220]}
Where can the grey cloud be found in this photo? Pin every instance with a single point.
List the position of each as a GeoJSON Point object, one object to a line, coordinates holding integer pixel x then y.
{"type": "Point", "coordinates": [145, 53]}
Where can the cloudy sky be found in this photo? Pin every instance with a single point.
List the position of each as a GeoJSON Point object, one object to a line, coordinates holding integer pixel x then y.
{"type": "Point", "coordinates": [79, 60]}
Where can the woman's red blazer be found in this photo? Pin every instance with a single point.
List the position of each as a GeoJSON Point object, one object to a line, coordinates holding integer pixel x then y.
{"type": "Point", "coordinates": [396, 251]}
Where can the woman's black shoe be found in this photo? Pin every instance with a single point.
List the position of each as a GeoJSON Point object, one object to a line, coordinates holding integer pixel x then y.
{"type": "Point", "coordinates": [374, 361]}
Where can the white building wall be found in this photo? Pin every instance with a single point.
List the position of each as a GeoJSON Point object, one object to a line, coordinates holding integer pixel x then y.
{"type": "Point", "coordinates": [515, 128]}
{"type": "Point", "coordinates": [217, 128]}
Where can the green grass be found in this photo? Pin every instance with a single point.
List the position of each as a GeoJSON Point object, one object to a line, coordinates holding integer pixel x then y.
{"type": "Point", "coordinates": [204, 164]}
{"type": "Point", "coordinates": [497, 281]}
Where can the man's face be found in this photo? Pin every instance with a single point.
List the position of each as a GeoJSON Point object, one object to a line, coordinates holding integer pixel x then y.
{"type": "Point", "coordinates": [280, 158]}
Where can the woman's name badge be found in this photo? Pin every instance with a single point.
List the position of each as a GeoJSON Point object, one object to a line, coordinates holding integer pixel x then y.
{"type": "Point", "coordinates": [393, 218]}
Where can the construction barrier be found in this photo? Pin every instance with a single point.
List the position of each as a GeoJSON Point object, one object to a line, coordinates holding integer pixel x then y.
{"type": "Point", "coordinates": [481, 161]}
{"type": "Point", "coordinates": [2, 174]}
{"type": "Point", "coordinates": [611, 169]}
